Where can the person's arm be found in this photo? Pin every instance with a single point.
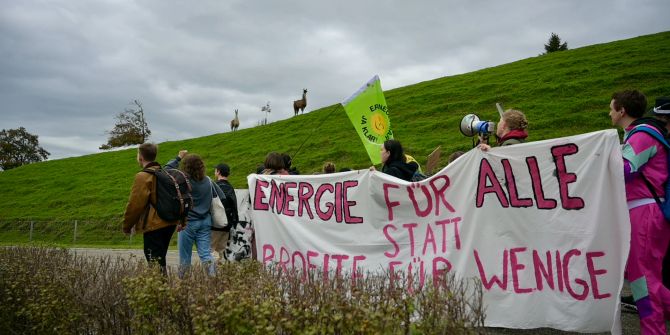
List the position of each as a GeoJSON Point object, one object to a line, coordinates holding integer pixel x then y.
{"type": "Point", "coordinates": [482, 144]}
{"type": "Point", "coordinates": [231, 202]}
{"type": "Point", "coordinates": [393, 171]}
{"type": "Point", "coordinates": [219, 193]}
{"type": "Point", "coordinates": [484, 147]}
{"type": "Point", "coordinates": [137, 203]}
{"type": "Point", "coordinates": [638, 149]}
{"type": "Point", "coordinates": [174, 163]}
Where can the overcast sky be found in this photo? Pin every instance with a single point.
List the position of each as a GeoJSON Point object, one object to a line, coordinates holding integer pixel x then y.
{"type": "Point", "coordinates": [68, 67]}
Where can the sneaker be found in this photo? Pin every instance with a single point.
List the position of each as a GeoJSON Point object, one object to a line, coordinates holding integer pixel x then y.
{"type": "Point", "coordinates": [628, 304]}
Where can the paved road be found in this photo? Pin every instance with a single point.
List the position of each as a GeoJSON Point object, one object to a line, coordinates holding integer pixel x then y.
{"type": "Point", "coordinates": [630, 322]}
{"type": "Point", "coordinates": [172, 255]}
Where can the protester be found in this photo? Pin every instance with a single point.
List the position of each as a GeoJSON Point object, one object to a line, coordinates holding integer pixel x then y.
{"type": "Point", "coordinates": [644, 158]}
{"type": "Point", "coordinates": [199, 228]}
{"type": "Point", "coordinates": [274, 164]}
{"type": "Point", "coordinates": [510, 130]}
{"type": "Point", "coordinates": [142, 216]}
{"type": "Point", "coordinates": [220, 236]}
{"type": "Point", "coordinates": [395, 162]}
{"type": "Point", "coordinates": [328, 167]}
{"type": "Point", "coordinates": [661, 111]}
{"type": "Point", "coordinates": [287, 164]}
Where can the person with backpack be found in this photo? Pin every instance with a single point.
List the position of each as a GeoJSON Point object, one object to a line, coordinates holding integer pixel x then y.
{"type": "Point", "coordinates": [661, 111]}
{"type": "Point", "coordinates": [220, 236]}
{"type": "Point", "coordinates": [141, 213]}
{"type": "Point", "coordinates": [645, 174]}
{"type": "Point", "coordinates": [395, 162]}
{"type": "Point", "coordinates": [198, 231]}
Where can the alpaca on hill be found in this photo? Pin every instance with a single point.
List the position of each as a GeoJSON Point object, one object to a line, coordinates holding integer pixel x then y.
{"type": "Point", "coordinates": [234, 123]}
{"type": "Point", "coordinates": [299, 105]}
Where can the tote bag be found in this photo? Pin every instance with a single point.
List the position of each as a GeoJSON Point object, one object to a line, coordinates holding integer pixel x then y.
{"type": "Point", "coordinates": [219, 218]}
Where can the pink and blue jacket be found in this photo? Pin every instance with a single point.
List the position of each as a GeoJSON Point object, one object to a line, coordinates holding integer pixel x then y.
{"type": "Point", "coordinates": [643, 154]}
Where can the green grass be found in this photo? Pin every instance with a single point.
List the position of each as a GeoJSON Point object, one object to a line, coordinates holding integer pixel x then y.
{"type": "Point", "coordinates": [563, 93]}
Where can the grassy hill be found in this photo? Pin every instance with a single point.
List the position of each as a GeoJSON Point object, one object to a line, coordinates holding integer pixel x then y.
{"type": "Point", "coordinates": [562, 94]}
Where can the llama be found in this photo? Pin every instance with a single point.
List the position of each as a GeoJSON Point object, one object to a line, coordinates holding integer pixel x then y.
{"type": "Point", "coordinates": [234, 123]}
{"type": "Point", "coordinates": [299, 105]}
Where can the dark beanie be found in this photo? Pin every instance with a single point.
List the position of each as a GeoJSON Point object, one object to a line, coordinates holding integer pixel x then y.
{"type": "Point", "coordinates": [223, 169]}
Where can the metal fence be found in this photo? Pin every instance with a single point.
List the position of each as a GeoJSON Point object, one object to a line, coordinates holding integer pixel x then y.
{"type": "Point", "coordinates": [66, 232]}
{"type": "Point", "coordinates": [98, 232]}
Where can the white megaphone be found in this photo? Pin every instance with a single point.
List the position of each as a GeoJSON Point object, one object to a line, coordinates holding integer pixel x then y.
{"type": "Point", "coordinates": [471, 126]}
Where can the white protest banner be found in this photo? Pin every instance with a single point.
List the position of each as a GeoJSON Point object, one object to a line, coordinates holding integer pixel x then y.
{"type": "Point", "coordinates": [544, 226]}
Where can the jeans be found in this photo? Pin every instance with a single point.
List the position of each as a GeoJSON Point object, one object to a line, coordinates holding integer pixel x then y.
{"type": "Point", "coordinates": [650, 235]}
{"type": "Point", "coordinates": [198, 232]}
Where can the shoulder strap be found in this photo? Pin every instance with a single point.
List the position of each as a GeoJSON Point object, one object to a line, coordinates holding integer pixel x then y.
{"type": "Point", "coordinates": [217, 191]}
{"type": "Point", "coordinates": [656, 135]}
{"type": "Point", "coordinates": [149, 204]}
{"type": "Point", "coordinates": [651, 189]}
{"type": "Point", "coordinates": [652, 132]}
{"type": "Point", "coordinates": [211, 186]}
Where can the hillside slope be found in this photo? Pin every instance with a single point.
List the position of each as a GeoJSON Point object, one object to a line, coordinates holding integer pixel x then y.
{"type": "Point", "coordinates": [563, 93]}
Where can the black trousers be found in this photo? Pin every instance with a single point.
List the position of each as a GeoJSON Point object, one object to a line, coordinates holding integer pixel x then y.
{"type": "Point", "coordinates": [156, 245]}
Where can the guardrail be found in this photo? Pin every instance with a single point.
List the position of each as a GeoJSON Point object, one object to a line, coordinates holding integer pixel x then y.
{"type": "Point", "coordinates": [76, 232]}
{"type": "Point", "coordinates": [66, 232]}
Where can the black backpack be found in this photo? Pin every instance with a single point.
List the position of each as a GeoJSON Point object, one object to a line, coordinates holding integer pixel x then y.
{"type": "Point", "coordinates": [173, 194]}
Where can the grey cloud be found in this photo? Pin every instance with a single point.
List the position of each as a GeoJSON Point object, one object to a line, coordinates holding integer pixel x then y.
{"type": "Point", "coordinates": [68, 67]}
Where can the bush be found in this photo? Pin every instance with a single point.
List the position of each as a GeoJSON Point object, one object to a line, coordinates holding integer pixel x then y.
{"type": "Point", "coordinates": [50, 291]}
{"type": "Point", "coordinates": [53, 291]}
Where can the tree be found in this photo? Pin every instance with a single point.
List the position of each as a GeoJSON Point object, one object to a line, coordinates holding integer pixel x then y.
{"type": "Point", "coordinates": [555, 44]}
{"type": "Point", "coordinates": [131, 128]}
{"type": "Point", "coordinates": [19, 147]}
{"type": "Point", "coordinates": [267, 110]}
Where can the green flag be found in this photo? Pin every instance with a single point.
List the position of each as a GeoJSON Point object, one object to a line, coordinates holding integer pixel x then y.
{"type": "Point", "coordinates": [368, 113]}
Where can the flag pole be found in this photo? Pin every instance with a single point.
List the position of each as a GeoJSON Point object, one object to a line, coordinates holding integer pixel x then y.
{"type": "Point", "coordinates": [313, 130]}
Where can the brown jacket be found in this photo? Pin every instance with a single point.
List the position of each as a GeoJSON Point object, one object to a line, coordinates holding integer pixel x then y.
{"type": "Point", "coordinates": [144, 191]}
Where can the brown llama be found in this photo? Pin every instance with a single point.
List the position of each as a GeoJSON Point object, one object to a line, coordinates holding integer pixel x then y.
{"type": "Point", "coordinates": [299, 105]}
{"type": "Point", "coordinates": [234, 123]}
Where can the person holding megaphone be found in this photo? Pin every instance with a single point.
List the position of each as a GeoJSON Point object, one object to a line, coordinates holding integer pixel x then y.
{"type": "Point", "coordinates": [510, 130]}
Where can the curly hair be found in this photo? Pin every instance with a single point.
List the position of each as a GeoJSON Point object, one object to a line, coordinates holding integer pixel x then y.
{"type": "Point", "coordinates": [515, 119]}
{"type": "Point", "coordinates": [329, 167]}
{"type": "Point", "coordinates": [193, 166]}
